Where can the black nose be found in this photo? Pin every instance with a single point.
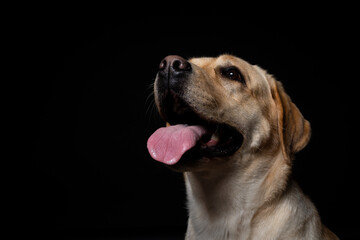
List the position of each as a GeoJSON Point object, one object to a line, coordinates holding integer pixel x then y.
{"type": "Point", "coordinates": [173, 73]}
{"type": "Point", "coordinates": [174, 64]}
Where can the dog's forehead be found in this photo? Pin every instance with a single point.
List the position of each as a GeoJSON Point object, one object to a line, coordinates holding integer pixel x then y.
{"type": "Point", "coordinates": [222, 60]}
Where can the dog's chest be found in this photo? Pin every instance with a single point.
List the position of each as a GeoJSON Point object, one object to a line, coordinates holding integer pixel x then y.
{"type": "Point", "coordinates": [231, 227]}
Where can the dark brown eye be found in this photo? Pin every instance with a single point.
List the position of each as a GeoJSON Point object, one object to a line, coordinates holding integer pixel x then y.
{"type": "Point", "coordinates": [233, 73]}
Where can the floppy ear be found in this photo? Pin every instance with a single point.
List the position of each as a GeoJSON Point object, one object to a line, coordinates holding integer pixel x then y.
{"type": "Point", "coordinates": [294, 130]}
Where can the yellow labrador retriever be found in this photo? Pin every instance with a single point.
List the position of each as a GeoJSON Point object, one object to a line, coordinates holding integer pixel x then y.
{"type": "Point", "coordinates": [233, 131]}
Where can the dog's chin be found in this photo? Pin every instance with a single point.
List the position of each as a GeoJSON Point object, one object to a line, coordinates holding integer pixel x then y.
{"type": "Point", "coordinates": [221, 141]}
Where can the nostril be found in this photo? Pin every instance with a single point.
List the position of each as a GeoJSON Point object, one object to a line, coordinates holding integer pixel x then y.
{"type": "Point", "coordinates": [176, 64]}
{"type": "Point", "coordinates": [162, 65]}
{"type": "Point", "coordinates": [181, 65]}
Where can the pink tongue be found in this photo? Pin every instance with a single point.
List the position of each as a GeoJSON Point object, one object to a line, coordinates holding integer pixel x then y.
{"type": "Point", "coordinates": [168, 144]}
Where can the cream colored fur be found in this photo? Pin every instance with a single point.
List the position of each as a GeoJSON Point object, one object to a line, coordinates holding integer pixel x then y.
{"type": "Point", "coordinates": [249, 195]}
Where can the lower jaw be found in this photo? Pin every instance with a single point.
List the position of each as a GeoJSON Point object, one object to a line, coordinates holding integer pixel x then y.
{"type": "Point", "coordinates": [201, 158]}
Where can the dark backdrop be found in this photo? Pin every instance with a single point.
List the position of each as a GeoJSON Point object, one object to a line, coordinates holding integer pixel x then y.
{"type": "Point", "coordinates": [90, 117]}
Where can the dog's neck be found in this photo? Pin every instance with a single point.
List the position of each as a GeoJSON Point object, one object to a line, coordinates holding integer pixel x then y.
{"type": "Point", "coordinates": [227, 194]}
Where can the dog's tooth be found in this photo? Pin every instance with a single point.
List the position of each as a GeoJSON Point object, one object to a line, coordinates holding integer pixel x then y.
{"type": "Point", "coordinates": [214, 140]}
{"type": "Point", "coordinates": [215, 137]}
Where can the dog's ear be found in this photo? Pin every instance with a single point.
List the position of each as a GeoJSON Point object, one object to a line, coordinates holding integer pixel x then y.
{"type": "Point", "coordinates": [294, 130]}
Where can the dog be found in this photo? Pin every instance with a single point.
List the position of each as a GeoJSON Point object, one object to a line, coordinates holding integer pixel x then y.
{"type": "Point", "coordinates": [233, 132]}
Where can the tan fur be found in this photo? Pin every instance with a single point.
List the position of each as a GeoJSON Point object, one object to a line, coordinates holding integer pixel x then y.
{"type": "Point", "coordinates": [250, 194]}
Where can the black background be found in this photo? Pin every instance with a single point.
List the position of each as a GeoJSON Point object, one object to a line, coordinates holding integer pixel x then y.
{"type": "Point", "coordinates": [88, 82]}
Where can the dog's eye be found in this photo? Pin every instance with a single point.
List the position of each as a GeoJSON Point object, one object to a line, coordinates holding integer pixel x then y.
{"type": "Point", "coordinates": [233, 74]}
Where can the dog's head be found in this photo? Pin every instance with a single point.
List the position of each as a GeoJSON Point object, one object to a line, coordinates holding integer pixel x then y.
{"type": "Point", "coordinates": [219, 109]}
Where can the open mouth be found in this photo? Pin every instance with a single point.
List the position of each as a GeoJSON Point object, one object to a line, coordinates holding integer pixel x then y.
{"type": "Point", "coordinates": [190, 136]}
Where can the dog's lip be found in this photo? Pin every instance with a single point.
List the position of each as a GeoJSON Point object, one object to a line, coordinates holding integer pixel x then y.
{"type": "Point", "coordinates": [228, 140]}
{"type": "Point", "coordinates": [220, 139]}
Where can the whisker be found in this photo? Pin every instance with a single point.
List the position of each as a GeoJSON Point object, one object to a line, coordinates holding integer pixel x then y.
{"type": "Point", "coordinates": [150, 97]}
{"type": "Point", "coordinates": [150, 108]}
{"type": "Point", "coordinates": [151, 86]}
{"type": "Point", "coordinates": [151, 112]}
